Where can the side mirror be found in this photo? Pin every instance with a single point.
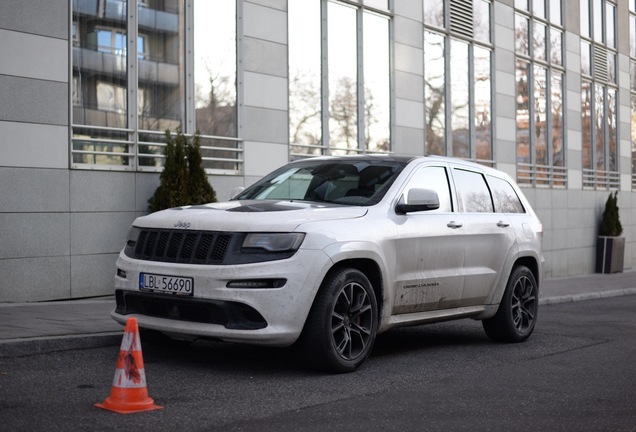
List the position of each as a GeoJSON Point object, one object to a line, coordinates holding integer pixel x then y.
{"type": "Point", "coordinates": [236, 191]}
{"type": "Point", "coordinates": [419, 200]}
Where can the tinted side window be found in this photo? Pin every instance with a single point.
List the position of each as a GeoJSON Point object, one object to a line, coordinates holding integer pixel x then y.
{"type": "Point", "coordinates": [505, 197]}
{"type": "Point", "coordinates": [434, 178]}
{"type": "Point", "coordinates": [472, 191]}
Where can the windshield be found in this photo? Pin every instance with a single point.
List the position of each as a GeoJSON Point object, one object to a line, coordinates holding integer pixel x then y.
{"type": "Point", "coordinates": [349, 182]}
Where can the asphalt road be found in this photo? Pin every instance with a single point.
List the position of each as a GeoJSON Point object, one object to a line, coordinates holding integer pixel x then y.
{"type": "Point", "coordinates": [576, 373]}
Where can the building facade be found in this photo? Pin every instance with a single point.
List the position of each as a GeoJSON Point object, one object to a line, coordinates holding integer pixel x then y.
{"type": "Point", "coordinates": [542, 89]}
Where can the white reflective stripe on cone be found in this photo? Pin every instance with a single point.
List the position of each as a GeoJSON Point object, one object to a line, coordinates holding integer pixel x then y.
{"type": "Point", "coordinates": [122, 380]}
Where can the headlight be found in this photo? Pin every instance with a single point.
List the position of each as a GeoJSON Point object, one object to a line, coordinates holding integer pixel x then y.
{"type": "Point", "coordinates": [133, 235]}
{"type": "Point", "coordinates": [131, 241]}
{"type": "Point", "coordinates": [274, 242]}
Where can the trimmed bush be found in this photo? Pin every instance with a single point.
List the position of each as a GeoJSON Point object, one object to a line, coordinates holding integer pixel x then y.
{"type": "Point", "coordinates": [183, 180]}
{"type": "Point", "coordinates": [610, 221]}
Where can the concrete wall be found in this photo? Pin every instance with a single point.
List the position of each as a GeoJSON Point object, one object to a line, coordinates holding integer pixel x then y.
{"type": "Point", "coordinates": [61, 229]}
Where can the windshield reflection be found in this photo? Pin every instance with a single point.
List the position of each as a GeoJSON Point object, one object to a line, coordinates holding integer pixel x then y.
{"type": "Point", "coordinates": [345, 182]}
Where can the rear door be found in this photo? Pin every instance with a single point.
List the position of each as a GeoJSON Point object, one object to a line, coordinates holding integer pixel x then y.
{"type": "Point", "coordinates": [490, 237]}
{"type": "Point", "coordinates": [430, 249]}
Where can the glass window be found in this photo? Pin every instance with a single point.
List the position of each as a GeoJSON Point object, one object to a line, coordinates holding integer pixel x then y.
{"type": "Point", "coordinates": [584, 13]}
{"type": "Point", "coordinates": [586, 120]}
{"type": "Point", "coordinates": [522, 35]}
{"type": "Point", "coordinates": [610, 33]}
{"type": "Point", "coordinates": [556, 100]}
{"type": "Point", "coordinates": [343, 82]}
{"type": "Point", "coordinates": [433, 178]}
{"type": "Point", "coordinates": [481, 20]}
{"type": "Point", "coordinates": [540, 115]}
{"type": "Point", "coordinates": [586, 59]}
{"type": "Point", "coordinates": [434, 12]}
{"type": "Point", "coordinates": [598, 20]}
{"type": "Point", "coordinates": [632, 35]}
{"type": "Point", "coordinates": [459, 99]}
{"type": "Point", "coordinates": [612, 132]}
{"type": "Point", "coordinates": [100, 77]}
{"type": "Point", "coordinates": [377, 117]}
{"type": "Point", "coordinates": [483, 114]}
{"type": "Point", "coordinates": [472, 192]}
{"type": "Point", "coordinates": [599, 125]}
{"type": "Point", "coordinates": [523, 112]}
{"type": "Point", "coordinates": [434, 93]}
{"type": "Point", "coordinates": [304, 78]}
{"type": "Point", "coordinates": [505, 198]}
{"type": "Point", "coordinates": [633, 132]}
{"type": "Point", "coordinates": [538, 8]}
{"type": "Point", "coordinates": [355, 104]}
{"type": "Point", "coordinates": [556, 47]}
{"type": "Point", "coordinates": [215, 67]}
{"type": "Point", "coordinates": [105, 93]}
{"type": "Point", "coordinates": [539, 41]}
{"type": "Point", "coordinates": [555, 12]}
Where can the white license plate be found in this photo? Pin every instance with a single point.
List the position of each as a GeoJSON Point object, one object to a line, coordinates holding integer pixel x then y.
{"type": "Point", "coordinates": [166, 284]}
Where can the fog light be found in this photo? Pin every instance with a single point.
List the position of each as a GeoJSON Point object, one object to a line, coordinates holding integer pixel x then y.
{"type": "Point", "coordinates": [257, 283]}
{"type": "Point", "coordinates": [121, 273]}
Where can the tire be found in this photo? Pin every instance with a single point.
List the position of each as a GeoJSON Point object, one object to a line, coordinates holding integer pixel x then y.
{"type": "Point", "coordinates": [342, 324]}
{"type": "Point", "coordinates": [517, 314]}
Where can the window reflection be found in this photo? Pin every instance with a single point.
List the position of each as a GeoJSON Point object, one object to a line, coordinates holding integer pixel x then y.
{"type": "Point", "coordinates": [481, 18]}
{"type": "Point", "coordinates": [540, 103]}
{"type": "Point", "coordinates": [599, 125]}
{"type": "Point", "coordinates": [376, 83]}
{"type": "Point", "coordinates": [611, 130]}
{"type": "Point", "coordinates": [557, 119]}
{"type": "Point", "coordinates": [483, 135]}
{"type": "Point", "coordinates": [586, 122]}
{"type": "Point", "coordinates": [459, 99]}
{"type": "Point", "coordinates": [434, 12]}
{"type": "Point", "coordinates": [523, 113]}
{"type": "Point", "coordinates": [434, 93]}
{"type": "Point", "coordinates": [304, 77]}
{"type": "Point", "coordinates": [539, 41]}
{"type": "Point", "coordinates": [556, 47]}
{"type": "Point", "coordinates": [100, 84]}
{"type": "Point", "coordinates": [343, 101]}
{"type": "Point", "coordinates": [215, 67]}
{"type": "Point", "coordinates": [161, 70]}
{"type": "Point", "coordinates": [522, 36]}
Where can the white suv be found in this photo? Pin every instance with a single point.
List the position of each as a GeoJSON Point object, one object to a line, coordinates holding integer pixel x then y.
{"type": "Point", "coordinates": [329, 252]}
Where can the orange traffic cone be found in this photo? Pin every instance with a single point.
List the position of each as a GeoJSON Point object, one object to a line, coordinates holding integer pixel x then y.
{"type": "Point", "coordinates": [129, 393]}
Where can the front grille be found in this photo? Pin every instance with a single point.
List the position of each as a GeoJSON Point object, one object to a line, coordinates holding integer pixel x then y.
{"type": "Point", "coordinates": [231, 315]}
{"type": "Point", "coordinates": [178, 246]}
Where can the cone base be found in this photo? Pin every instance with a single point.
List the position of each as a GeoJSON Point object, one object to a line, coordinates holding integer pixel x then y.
{"type": "Point", "coordinates": [128, 408]}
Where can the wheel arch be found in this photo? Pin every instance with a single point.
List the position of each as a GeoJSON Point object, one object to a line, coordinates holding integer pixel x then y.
{"type": "Point", "coordinates": [371, 270]}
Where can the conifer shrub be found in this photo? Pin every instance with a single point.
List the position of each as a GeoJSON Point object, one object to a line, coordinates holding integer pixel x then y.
{"type": "Point", "coordinates": [610, 221]}
{"type": "Point", "coordinates": [183, 180]}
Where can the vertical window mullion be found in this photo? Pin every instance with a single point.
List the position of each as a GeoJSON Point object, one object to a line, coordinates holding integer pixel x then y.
{"type": "Point", "coordinates": [132, 80]}
{"type": "Point", "coordinates": [360, 102]}
{"type": "Point", "coordinates": [324, 100]}
{"type": "Point", "coordinates": [190, 126]}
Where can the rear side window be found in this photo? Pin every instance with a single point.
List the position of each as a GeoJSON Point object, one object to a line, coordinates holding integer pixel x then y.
{"type": "Point", "coordinates": [505, 197]}
{"type": "Point", "coordinates": [472, 192]}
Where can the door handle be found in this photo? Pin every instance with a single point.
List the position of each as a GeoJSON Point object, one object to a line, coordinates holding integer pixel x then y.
{"type": "Point", "coordinates": [454, 225]}
{"type": "Point", "coordinates": [502, 224]}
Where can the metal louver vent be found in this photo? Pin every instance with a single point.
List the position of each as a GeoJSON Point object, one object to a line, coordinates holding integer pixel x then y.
{"type": "Point", "coordinates": [600, 64]}
{"type": "Point", "coordinates": [461, 17]}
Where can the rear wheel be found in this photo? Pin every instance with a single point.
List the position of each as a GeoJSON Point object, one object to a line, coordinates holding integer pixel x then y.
{"type": "Point", "coordinates": [517, 313]}
{"type": "Point", "coordinates": [342, 325]}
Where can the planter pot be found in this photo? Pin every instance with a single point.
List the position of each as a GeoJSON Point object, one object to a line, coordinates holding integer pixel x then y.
{"type": "Point", "coordinates": [609, 254]}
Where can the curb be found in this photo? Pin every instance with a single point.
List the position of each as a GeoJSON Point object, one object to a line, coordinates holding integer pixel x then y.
{"type": "Point", "coordinates": [586, 296]}
{"type": "Point", "coordinates": [47, 345]}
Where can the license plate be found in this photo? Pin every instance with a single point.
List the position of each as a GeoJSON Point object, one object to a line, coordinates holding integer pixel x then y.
{"type": "Point", "coordinates": [166, 284]}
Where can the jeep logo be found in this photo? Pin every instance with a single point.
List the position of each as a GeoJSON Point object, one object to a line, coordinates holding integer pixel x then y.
{"type": "Point", "coordinates": [182, 224]}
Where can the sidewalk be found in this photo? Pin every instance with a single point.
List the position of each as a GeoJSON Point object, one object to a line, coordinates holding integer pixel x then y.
{"type": "Point", "coordinates": [31, 328]}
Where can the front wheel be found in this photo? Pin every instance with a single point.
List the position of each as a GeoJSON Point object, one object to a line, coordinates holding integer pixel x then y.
{"type": "Point", "coordinates": [517, 313]}
{"type": "Point", "coordinates": [342, 325]}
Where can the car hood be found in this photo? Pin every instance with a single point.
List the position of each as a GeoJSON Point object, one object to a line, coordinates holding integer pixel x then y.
{"type": "Point", "coordinates": [255, 215]}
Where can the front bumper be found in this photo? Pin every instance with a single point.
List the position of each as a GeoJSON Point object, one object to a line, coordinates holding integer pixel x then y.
{"type": "Point", "coordinates": [265, 316]}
